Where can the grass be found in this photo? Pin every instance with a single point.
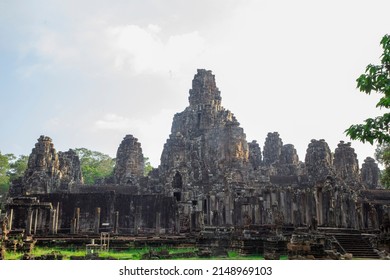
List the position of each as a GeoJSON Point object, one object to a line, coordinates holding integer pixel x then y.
{"type": "Point", "coordinates": [131, 254]}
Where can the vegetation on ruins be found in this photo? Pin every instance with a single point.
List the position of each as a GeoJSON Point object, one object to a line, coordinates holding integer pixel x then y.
{"type": "Point", "coordinates": [147, 166]}
{"type": "Point", "coordinates": [382, 155]}
{"type": "Point", "coordinates": [377, 79]}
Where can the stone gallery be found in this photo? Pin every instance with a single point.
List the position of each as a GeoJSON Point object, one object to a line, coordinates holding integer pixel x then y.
{"type": "Point", "coordinates": [210, 176]}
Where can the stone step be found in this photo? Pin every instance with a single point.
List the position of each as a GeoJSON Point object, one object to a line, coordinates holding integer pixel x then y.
{"type": "Point", "coordinates": [356, 245]}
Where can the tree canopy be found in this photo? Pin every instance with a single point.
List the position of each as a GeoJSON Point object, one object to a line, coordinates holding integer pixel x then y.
{"type": "Point", "coordinates": [95, 165]}
{"type": "Point", "coordinates": [375, 79]}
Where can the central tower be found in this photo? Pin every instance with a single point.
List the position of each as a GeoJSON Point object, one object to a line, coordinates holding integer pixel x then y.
{"type": "Point", "coordinates": [207, 149]}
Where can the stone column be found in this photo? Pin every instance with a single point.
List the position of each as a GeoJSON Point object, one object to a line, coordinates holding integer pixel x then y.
{"type": "Point", "coordinates": [77, 217]}
{"type": "Point", "coordinates": [177, 223]}
{"type": "Point", "coordinates": [73, 225]}
{"type": "Point", "coordinates": [97, 219]}
{"type": "Point", "coordinates": [228, 210]}
{"type": "Point", "coordinates": [137, 221]}
{"type": "Point", "coordinates": [29, 221]}
{"type": "Point", "coordinates": [158, 223]}
{"type": "Point", "coordinates": [53, 215]}
{"type": "Point", "coordinates": [319, 206]}
{"type": "Point", "coordinates": [10, 218]}
{"type": "Point", "coordinates": [36, 211]}
{"type": "Point", "coordinates": [57, 217]}
{"type": "Point", "coordinates": [116, 222]}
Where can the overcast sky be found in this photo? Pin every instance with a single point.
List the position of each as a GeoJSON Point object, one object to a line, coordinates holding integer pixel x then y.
{"type": "Point", "coordinates": [86, 73]}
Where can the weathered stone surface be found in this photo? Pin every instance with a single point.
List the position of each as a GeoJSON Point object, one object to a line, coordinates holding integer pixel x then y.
{"type": "Point", "coordinates": [129, 166]}
{"type": "Point", "coordinates": [48, 171]}
{"type": "Point", "coordinates": [207, 145]}
{"type": "Point", "coordinates": [43, 169]}
{"type": "Point", "coordinates": [288, 155]}
{"type": "Point", "coordinates": [319, 161]}
{"type": "Point", "coordinates": [254, 154]}
{"type": "Point", "coordinates": [346, 163]}
{"type": "Point", "coordinates": [288, 163]}
{"type": "Point", "coordinates": [272, 148]}
{"type": "Point", "coordinates": [70, 169]}
{"type": "Point", "coordinates": [370, 173]}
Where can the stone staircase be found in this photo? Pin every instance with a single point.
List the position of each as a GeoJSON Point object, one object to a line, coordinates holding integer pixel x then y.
{"type": "Point", "coordinates": [354, 244]}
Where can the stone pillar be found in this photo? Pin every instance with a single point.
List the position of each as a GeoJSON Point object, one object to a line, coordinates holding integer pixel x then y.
{"type": "Point", "coordinates": [344, 211]}
{"type": "Point", "coordinates": [228, 210]}
{"type": "Point", "coordinates": [29, 221]}
{"type": "Point", "coordinates": [177, 223]}
{"type": "Point", "coordinates": [77, 217]}
{"type": "Point", "coordinates": [137, 221]}
{"type": "Point", "coordinates": [319, 206]}
{"type": "Point", "coordinates": [97, 219]}
{"type": "Point", "coordinates": [57, 217]}
{"type": "Point", "coordinates": [10, 218]}
{"type": "Point", "coordinates": [53, 215]}
{"type": "Point", "coordinates": [158, 223]}
{"type": "Point", "coordinates": [73, 225]}
{"type": "Point", "coordinates": [209, 212]}
{"type": "Point", "coordinates": [116, 222]}
{"type": "Point", "coordinates": [36, 212]}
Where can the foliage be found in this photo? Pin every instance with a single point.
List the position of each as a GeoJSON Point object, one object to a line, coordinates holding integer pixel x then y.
{"type": "Point", "coordinates": [382, 155]}
{"type": "Point", "coordinates": [95, 165]}
{"type": "Point", "coordinates": [147, 166]}
{"type": "Point", "coordinates": [11, 167]}
{"type": "Point", "coordinates": [375, 79]}
{"type": "Point", "coordinates": [18, 166]}
{"type": "Point", "coordinates": [4, 168]}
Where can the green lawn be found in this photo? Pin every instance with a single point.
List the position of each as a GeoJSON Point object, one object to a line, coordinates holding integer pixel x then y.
{"type": "Point", "coordinates": [131, 254]}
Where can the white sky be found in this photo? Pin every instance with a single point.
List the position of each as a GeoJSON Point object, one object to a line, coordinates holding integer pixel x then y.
{"type": "Point", "coordinates": [86, 73]}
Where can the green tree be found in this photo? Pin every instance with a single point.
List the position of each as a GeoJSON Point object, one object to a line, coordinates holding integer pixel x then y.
{"type": "Point", "coordinates": [95, 165]}
{"type": "Point", "coordinates": [4, 169]}
{"type": "Point", "coordinates": [382, 155]}
{"type": "Point", "coordinates": [147, 166]}
{"type": "Point", "coordinates": [375, 79]}
{"type": "Point", "coordinates": [17, 167]}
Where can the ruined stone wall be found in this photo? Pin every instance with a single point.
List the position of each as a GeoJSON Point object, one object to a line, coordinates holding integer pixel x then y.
{"type": "Point", "coordinates": [94, 212]}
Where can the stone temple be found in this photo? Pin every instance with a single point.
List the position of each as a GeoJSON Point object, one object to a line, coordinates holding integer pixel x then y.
{"type": "Point", "coordinates": [210, 175]}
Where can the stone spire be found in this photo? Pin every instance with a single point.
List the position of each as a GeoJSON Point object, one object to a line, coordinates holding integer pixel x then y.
{"type": "Point", "coordinates": [254, 154]}
{"type": "Point", "coordinates": [129, 164]}
{"type": "Point", "coordinates": [49, 171]}
{"type": "Point", "coordinates": [206, 144]}
{"type": "Point", "coordinates": [272, 148]}
{"type": "Point", "coordinates": [42, 174]}
{"type": "Point", "coordinates": [370, 173]}
{"type": "Point", "coordinates": [346, 163]}
{"type": "Point", "coordinates": [204, 90]}
{"type": "Point", "coordinates": [70, 168]}
{"type": "Point", "coordinates": [319, 161]}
